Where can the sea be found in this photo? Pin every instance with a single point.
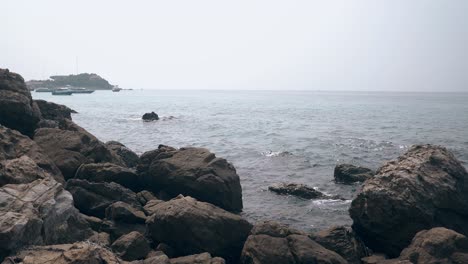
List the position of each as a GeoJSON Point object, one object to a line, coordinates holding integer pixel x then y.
{"type": "Point", "coordinates": [281, 136]}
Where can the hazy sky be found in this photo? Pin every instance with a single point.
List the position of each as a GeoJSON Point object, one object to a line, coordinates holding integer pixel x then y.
{"type": "Point", "coordinates": [265, 44]}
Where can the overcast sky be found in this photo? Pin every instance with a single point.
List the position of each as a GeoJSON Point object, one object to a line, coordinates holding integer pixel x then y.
{"type": "Point", "coordinates": [410, 45]}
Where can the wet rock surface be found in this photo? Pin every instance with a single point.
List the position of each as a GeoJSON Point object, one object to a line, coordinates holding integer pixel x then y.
{"type": "Point", "coordinates": [150, 116]}
{"type": "Point", "coordinates": [301, 191]}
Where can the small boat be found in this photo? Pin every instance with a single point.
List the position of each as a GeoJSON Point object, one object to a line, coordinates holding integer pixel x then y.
{"type": "Point", "coordinates": [62, 91]}
{"type": "Point", "coordinates": [43, 90]}
{"type": "Point", "coordinates": [116, 89]}
{"type": "Point", "coordinates": [81, 90]}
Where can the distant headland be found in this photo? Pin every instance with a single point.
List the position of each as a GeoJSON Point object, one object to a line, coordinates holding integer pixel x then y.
{"type": "Point", "coordinates": [85, 80]}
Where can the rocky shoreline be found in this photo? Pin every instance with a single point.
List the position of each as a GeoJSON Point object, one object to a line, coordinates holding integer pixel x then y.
{"type": "Point", "coordinates": [66, 197]}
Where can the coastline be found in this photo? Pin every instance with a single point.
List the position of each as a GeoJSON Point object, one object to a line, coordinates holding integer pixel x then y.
{"type": "Point", "coordinates": [170, 203]}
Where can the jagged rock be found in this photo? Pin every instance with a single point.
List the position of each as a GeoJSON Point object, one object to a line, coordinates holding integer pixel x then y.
{"type": "Point", "coordinates": [437, 245]}
{"type": "Point", "coordinates": [166, 249]}
{"type": "Point", "coordinates": [22, 160]}
{"type": "Point", "coordinates": [93, 198]}
{"type": "Point", "coordinates": [78, 253]}
{"type": "Point", "coordinates": [129, 157]}
{"type": "Point", "coordinates": [145, 196]}
{"type": "Point", "coordinates": [40, 212]}
{"type": "Point", "coordinates": [151, 206]}
{"type": "Point", "coordinates": [342, 240]}
{"type": "Point", "coordinates": [132, 246]}
{"type": "Point", "coordinates": [53, 111]}
{"type": "Point", "coordinates": [70, 146]}
{"type": "Point", "coordinates": [94, 222]}
{"type": "Point", "coordinates": [192, 227]}
{"type": "Point", "coordinates": [123, 212]}
{"type": "Point", "coordinates": [192, 171]}
{"type": "Point", "coordinates": [374, 259]}
{"type": "Point", "coordinates": [109, 172]}
{"type": "Point", "coordinates": [348, 174]}
{"type": "Point", "coordinates": [204, 258]}
{"type": "Point", "coordinates": [300, 190]}
{"type": "Point", "coordinates": [102, 239]}
{"type": "Point", "coordinates": [17, 109]}
{"type": "Point", "coordinates": [150, 116]}
{"type": "Point", "coordinates": [424, 188]}
{"type": "Point", "coordinates": [271, 242]}
{"type": "Point", "coordinates": [160, 259]}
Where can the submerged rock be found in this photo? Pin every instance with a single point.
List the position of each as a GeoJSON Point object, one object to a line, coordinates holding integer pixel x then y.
{"type": "Point", "coordinates": [40, 212]}
{"type": "Point", "coordinates": [150, 116]}
{"type": "Point", "coordinates": [424, 188]}
{"type": "Point", "coordinates": [17, 109]}
{"type": "Point", "coordinates": [348, 174]}
{"type": "Point", "coordinates": [300, 190]}
{"type": "Point", "coordinates": [129, 157]}
{"type": "Point", "coordinates": [192, 171]}
{"type": "Point", "coordinates": [343, 241]}
{"type": "Point", "coordinates": [271, 242]}
{"type": "Point", "coordinates": [192, 227]}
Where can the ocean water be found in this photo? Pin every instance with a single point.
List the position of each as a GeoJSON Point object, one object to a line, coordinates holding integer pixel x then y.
{"type": "Point", "coordinates": [281, 136]}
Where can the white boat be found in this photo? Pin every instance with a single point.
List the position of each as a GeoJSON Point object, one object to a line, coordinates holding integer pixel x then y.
{"type": "Point", "coordinates": [62, 91]}
{"type": "Point", "coordinates": [116, 89]}
{"type": "Point", "coordinates": [81, 90]}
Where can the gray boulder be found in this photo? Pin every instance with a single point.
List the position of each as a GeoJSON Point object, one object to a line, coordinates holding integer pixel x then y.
{"type": "Point", "coordinates": [192, 227]}
{"type": "Point", "coordinates": [78, 253]}
{"type": "Point", "coordinates": [22, 160]}
{"type": "Point", "coordinates": [150, 116]}
{"type": "Point", "coordinates": [53, 111]}
{"type": "Point", "coordinates": [300, 190]}
{"type": "Point", "coordinates": [349, 174]}
{"type": "Point", "coordinates": [425, 187]}
{"type": "Point", "coordinates": [123, 212]}
{"type": "Point", "coordinates": [70, 146]}
{"type": "Point", "coordinates": [17, 109]}
{"type": "Point", "coordinates": [342, 240]}
{"type": "Point", "coordinates": [192, 171]}
{"type": "Point", "coordinates": [40, 212]}
{"type": "Point", "coordinates": [129, 157]}
{"type": "Point", "coordinates": [271, 242]}
{"type": "Point", "coordinates": [132, 246]}
{"type": "Point", "coordinates": [109, 172]}
{"type": "Point", "coordinates": [92, 198]}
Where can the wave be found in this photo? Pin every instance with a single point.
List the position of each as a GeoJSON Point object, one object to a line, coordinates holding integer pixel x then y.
{"type": "Point", "coordinates": [276, 153]}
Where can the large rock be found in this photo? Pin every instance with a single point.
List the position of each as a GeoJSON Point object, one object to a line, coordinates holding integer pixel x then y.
{"type": "Point", "coordinates": [132, 246]}
{"type": "Point", "coordinates": [93, 198]}
{"type": "Point", "coordinates": [120, 211]}
{"type": "Point", "coordinates": [109, 172]}
{"type": "Point", "coordinates": [78, 253]}
{"type": "Point", "coordinates": [40, 212]}
{"type": "Point", "coordinates": [53, 111]}
{"type": "Point", "coordinates": [343, 241]}
{"type": "Point", "coordinates": [22, 160]}
{"type": "Point", "coordinates": [424, 188]}
{"type": "Point", "coordinates": [438, 245]}
{"type": "Point", "coordinates": [129, 157]}
{"type": "Point", "coordinates": [192, 171]}
{"type": "Point", "coordinates": [192, 227]}
{"type": "Point", "coordinates": [348, 174]}
{"type": "Point", "coordinates": [300, 190]}
{"type": "Point", "coordinates": [70, 146]}
{"type": "Point", "coordinates": [271, 242]}
{"type": "Point", "coordinates": [17, 109]}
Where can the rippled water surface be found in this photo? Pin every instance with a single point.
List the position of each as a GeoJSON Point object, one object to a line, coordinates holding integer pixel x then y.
{"type": "Point", "coordinates": [274, 137]}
